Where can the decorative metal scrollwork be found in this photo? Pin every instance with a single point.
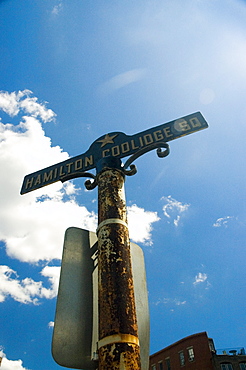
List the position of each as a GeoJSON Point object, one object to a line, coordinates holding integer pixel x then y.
{"type": "Point", "coordinates": [161, 154]}
{"type": "Point", "coordinates": [133, 170]}
{"type": "Point", "coordinates": [88, 183]}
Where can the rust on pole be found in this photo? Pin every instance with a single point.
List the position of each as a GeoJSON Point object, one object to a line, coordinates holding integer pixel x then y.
{"type": "Point", "coordinates": [118, 345]}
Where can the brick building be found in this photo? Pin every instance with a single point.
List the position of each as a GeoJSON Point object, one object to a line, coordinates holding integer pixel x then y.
{"type": "Point", "coordinates": [197, 352]}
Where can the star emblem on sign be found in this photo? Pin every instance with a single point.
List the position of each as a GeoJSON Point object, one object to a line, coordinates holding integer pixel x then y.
{"type": "Point", "coordinates": [107, 140]}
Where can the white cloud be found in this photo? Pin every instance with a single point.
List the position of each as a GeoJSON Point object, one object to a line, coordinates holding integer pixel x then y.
{"type": "Point", "coordinates": [70, 188]}
{"type": "Point", "coordinates": [57, 8]}
{"type": "Point", "coordinates": [173, 209]}
{"type": "Point", "coordinates": [26, 220]}
{"type": "Point", "coordinates": [13, 103]}
{"type": "Point", "coordinates": [10, 364]}
{"type": "Point", "coordinates": [39, 228]}
{"type": "Point", "coordinates": [223, 221]}
{"type": "Point", "coordinates": [200, 278]}
{"type": "Point", "coordinates": [27, 290]}
{"type": "Point", "coordinates": [170, 301]}
{"type": "Point", "coordinates": [122, 80]}
{"type": "Point", "coordinates": [140, 224]}
{"type": "Point", "coordinates": [53, 275]}
{"type": "Point", "coordinates": [199, 284]}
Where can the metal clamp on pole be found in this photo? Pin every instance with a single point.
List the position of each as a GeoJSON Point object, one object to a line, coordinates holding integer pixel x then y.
{"type": "Point", "coordinates": [111, 221]}
{"type": "Point", "coordinates": [118, 338]}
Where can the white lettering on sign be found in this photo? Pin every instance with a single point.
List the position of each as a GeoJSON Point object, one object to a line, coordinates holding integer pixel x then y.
{"type": "Point", "coordinates": [61, 173]}
{"type": "Point", "coordinates": [56, 173]}
{"type": "Point", "coordinates": [163, 134]}
{"type": "Point", "coordinates": [29, 183]}
{"type": "Point", "coordinates": [183, 125]}
{"type": "Point", "coordinates": [89, 161]}
{"type": "Point", "coordinates": [129, 145]}
{"type": "Point", "coordinates": [137, 143]}
{"type": "Point", "coordinates": [48, 177]}
{"type": "Point", "coordinates": [195, 122]}
{"type": "Point", "coordinates": [69, 167]}
{"type": "Point", "coordinates": [38, 180]}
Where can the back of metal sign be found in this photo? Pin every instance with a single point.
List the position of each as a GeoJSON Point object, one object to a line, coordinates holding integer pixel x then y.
{"type": "Point", "coordinates": [75, 333]}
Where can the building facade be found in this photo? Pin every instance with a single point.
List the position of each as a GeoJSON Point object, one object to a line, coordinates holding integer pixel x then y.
{"type": "Point", "coordinates": [197, 352]}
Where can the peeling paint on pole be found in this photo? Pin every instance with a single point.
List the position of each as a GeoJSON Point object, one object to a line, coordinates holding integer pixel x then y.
{"type": "Point", "coordinates": [118, 335]}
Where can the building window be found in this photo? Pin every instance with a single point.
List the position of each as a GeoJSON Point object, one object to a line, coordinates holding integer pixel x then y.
{"type": "Point", "coordinates": [226, 367]}
{"type": "Point", "coordinates": [181, 358]}
{"type": "Point", "coordinates": [242, 366]}
{"type": "Point", "coordinates": [191, 355]}
{"type": "Point", "coordinates": [211, 345]}
{"type": "Point", "coordinates": [161, 365]}
{"type": "Point", "coordinates": [168, 364]}
{"type": "Point", "coordinates": [153, 367]}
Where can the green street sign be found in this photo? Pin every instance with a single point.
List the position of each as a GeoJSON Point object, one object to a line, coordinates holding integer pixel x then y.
{"type": "Point", "coordinates": [115, 144]}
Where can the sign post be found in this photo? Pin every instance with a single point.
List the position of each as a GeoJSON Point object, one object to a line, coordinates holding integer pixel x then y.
{"type": "Point", "coordinates": [118, 344]}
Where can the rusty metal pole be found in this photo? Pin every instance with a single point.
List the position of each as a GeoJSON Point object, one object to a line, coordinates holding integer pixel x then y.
{"type": "Point", "coordinates": [118, 345]}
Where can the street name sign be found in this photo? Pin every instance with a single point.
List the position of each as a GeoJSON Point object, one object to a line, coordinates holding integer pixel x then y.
{"type": "Point", "coordinates": [75, 333]}
{"type": "Point", "coordinates": [115, 144]}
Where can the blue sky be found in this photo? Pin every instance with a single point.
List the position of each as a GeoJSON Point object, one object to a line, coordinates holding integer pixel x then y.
{"type": "Point", "coordinates": [72, 71]}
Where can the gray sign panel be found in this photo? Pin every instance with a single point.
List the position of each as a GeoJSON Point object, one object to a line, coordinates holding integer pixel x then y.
{"type": "Point", "coordinates": [75, 333]}
{"type": "Point", "coordinates": [115, 144]}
